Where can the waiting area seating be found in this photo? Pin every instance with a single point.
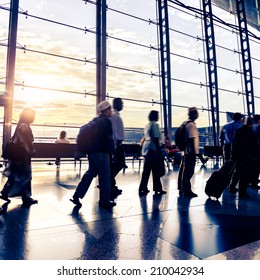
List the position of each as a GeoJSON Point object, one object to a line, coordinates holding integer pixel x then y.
{"type": "Point", "coordinates": [212, 151]}
{"type": "Point", "coordinates": [68, 152]}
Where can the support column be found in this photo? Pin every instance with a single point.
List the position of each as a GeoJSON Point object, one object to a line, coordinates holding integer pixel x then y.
{"type": "Point", "coordinates": [98, 50]}
{"type": "Point", "coordinates": [10, 71]}
{"type": "Point", "coordinates": [101, 50]}
{"type": "Point", "coordinates": [165, 65]}
{"type": "Point", "coordinates": [246, 57]}
{"type": "Point", "coordinates": [104, 50]}
{"type": "Point", "coordinates": [212, 69]}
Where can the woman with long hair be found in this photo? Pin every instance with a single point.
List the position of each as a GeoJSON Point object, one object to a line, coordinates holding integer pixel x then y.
{"type": "Point", "coordinates": [19, 173]}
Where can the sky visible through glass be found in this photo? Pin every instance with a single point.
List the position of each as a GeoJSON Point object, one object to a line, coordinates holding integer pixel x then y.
{"type": "Point", "coordinates": [55, 66]}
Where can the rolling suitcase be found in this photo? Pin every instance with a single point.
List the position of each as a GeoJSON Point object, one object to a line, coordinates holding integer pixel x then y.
{"type": "Point", "coordinates": [220, 179]}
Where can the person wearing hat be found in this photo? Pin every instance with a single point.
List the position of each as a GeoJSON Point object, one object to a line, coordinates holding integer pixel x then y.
{"type": "Point", "coordinates": [99, 160]}
{"type": "Point", "coordinates": [189, 158]}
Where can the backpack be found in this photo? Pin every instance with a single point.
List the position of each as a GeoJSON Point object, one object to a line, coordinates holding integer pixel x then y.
{"type": "Point", "coordinates": [88, 137]}
{"type": "Point", "coordinates": [181, 136]}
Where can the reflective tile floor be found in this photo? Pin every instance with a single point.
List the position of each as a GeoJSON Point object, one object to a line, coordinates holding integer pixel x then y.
{"type": "Point", "coordinates": [165, 227]}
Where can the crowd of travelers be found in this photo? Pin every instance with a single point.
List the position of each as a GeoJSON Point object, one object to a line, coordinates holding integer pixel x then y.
{"type": "Point", "coordinates": [239, 139]}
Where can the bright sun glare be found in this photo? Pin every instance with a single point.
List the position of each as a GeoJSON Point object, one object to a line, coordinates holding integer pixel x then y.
{"type": "Point", "coordinates": [34, 97]}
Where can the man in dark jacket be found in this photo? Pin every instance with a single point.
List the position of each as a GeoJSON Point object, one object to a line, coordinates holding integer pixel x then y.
{"type": "Point", "coordinates": [244, 152]}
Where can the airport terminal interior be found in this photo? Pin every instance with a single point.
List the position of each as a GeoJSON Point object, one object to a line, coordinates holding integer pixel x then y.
{"type": "Point", "coordinates": [153, 227]}
{"type": "Point", "coordinates": [62, 65]}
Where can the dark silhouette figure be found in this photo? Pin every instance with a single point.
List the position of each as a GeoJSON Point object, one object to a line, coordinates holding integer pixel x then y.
{"type": "Point", "coordinates": [99, 161]}
{"type": "Point", "coordinates": [189, 158]}
{"type": "Point", "coordinates": [19, 173]}
{"type": "Point", "coordinates": [244, 152]}
{"type": "Point", "coordinates": [153, 154]}
{"type": "Point", "coordinates": [118, 157]}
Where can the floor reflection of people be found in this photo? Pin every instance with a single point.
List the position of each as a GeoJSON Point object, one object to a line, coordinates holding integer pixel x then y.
{"type": "Point", "coordinates": [184, 238]}
{"type": "Point", "coordinates": [101, 236]}
{"type": "Point", "coordinates": [150, 228]}
{"type": "Point", "coordinates": [13, 228]}
{"type": "Point", "coordinates": [234, 226]}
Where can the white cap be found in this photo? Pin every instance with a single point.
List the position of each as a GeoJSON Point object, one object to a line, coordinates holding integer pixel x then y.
{"type": "Point", "coordinates": [103, 106]}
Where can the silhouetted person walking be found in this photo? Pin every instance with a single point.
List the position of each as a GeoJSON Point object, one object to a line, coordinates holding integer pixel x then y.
{"type": "Point", "coordinates": [19, 173]}
{"type": "Point", "coordinates": [189, 158]}
{"type": "Point", "coordinates": [99, 162]}
{"type": "Point", "coordinates": [243, 151]}
{"type": "Point", "coordinates": [152, 155]}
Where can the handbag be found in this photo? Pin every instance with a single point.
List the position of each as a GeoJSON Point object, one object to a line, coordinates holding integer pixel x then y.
{"type": "Point", "coordinates": [161, 166]}
{"type": "Point", "coordinates": [14, 151]}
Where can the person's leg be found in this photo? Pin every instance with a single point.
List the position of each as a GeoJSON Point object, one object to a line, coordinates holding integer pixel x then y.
{"type": "Point", "coordinates": [227, 152]}
{"type": "Point", "coordinates": [117, 164]}
{"type": "Point", "coordinates": [255, 174]}
{"type": "Point", "coordinates": [180, 174]}
{"type": "Point", "coordinates": [145, 175]}
{"type": "Point", "coordinates": [86, 180]}
{"type": "Point", "coordinates": [119, 159]}
{"type": "Point", "coordinates": [245, 175]}
{"type": "Point", "coordinates": [6, 189]}
{"type": "Point", "coordinates": [24, 180]}
{"type": "Point", "coordinates": [190, 161]}
{"type": "Point", "coordinates": [26, 194]}
{"type": "Point", "coordinates": [234, 181]}
{"type": "Point", "coordinates": [103, 170]}
{"type": "Point", "coordinates": [157, 185]}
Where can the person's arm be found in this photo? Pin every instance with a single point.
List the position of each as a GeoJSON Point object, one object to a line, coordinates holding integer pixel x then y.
{"type": "Point", "coordinates": [191, 145]}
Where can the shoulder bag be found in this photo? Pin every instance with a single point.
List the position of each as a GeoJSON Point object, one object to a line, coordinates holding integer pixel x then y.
{"type": "Point", "coordinates": [14, 151]}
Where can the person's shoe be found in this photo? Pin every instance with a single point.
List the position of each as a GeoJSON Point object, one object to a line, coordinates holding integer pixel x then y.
{"type": "Point", "coordinates": [107, 205]}
{"type": "Point", "coordinates": [76, 201]}
{"type": "Point", "coordinates": [115, 193]}
{"type": "Point", "coordinates": [5, 197]}
{"type": "Point", "coordinates": [29, 201]}
{"type": "Point", "coordinates": [190, 194]}
{"type": "Point", "coordinates": [143, 192]}
{"type": "Point", "coordinates": [117, 190]}
{"type": "Point", "coordinates": [160, 192]}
